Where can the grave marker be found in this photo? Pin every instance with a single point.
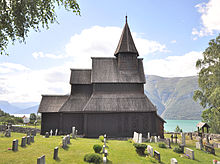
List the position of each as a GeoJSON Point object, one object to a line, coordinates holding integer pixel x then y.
{"type": "Point", "coordinates": [56, 132]}
{"type": "Point", "coordinates": [8, 133]}
{"type": "Point", "coordinates": [51, 132]}
{"type": "Point", "coordinates": [209, 149]}
{"type": "Point", "coordinates": [155, 139]}
{"type": "Point", "coordinates": [73, 132]}
{"type": "Point", "coordinates": [23, 141]}
{"type": "Point", "coordinates": [32, 139]}
{"type": "Point", "coordinates": [15, 145]}
{"type": "Point", "coordinates": [171, 138]}
{"type": "Point", "coordinates": [104, 160]}
{"type": "Point", "coordinates": [47, 135]}
{"type": "Point", "coordinates": [183, 139]}
{"type": "Point", "coordinates": [41, 160]}
{"type": "Point", "coordinates": [140, 138]}
{"type": "Point", "coordinates": [173, 161]}
{"type": "Point", "coordinates": [28, 140]}
{"type": "Point", "coordinates": [157, 155]}
{"type": "Point", "coordinates": [55, 154]}
{"type": "Point", "coordinates": [190, 153]}
{"type": "Point", "coordinates": [148, 135]}
{"type": "Point", "coordinates": [150, 150]}
{"type": "Point", "coordinates": [198, 145]}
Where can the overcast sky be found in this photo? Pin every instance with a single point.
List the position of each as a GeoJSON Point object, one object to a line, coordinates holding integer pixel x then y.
{"type": "Point", "coordinates": [170, 35]}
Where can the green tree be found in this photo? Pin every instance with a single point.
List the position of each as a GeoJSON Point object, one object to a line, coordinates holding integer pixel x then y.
{"type": "Point", "coordinates": [17, 17]}
{"type": "Point", "coordinates": [209, 84]}
{"type": "Point", "coordinates": [33, 117]}
{"type": "Point", "coordinates": [178, 129]}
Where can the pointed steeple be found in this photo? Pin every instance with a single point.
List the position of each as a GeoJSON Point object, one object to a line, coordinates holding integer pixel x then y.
{"type": "Point", "coordinates": [126, 43]}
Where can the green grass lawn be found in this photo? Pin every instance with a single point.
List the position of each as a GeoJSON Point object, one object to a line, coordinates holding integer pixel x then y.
{"type": "Point", "coordinates": [119, 151]}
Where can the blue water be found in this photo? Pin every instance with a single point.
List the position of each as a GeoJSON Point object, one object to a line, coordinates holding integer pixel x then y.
{"type": "Point", "coordinates": [185, 125]}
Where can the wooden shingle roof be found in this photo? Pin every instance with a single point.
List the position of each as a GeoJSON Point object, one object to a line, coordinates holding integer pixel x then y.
{"type": "Point", "coordinates": [126, 43]}
{"type": "Point", "coordinates": [80, 76]}
{"type": "Point", "coordinates": [51, 103]}
{"type": "Point", "coordinates": [105, 70]}
{"type": "Point", "coordinates": [103, 102]}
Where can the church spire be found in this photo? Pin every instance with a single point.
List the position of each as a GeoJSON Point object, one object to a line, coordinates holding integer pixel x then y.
{"type": "Point", "coordinates": [126, 43]}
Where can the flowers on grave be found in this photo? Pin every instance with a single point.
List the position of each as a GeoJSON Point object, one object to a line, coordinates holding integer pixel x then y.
{"type": "Point", "coordinates": [9, 148]}
{"type": "Point", "coordinates": [177, 150]}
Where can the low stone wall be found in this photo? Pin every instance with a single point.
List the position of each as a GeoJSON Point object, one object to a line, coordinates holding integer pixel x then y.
{"type": "Point", "coordinates": [18, 129]}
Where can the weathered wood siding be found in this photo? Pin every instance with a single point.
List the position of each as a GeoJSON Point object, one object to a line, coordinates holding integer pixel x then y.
{"type": "Point", "coordinates": [49, 121]}
{"type": "Point", "coordinates": [121, 124]}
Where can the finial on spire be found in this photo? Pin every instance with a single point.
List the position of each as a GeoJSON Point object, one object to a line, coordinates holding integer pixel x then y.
{"type": "Point", "coordinates": [126, 18]}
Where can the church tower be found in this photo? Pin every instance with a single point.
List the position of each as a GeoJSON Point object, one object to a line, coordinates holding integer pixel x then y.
{"type": "Point", "coordinates": [126, 51]}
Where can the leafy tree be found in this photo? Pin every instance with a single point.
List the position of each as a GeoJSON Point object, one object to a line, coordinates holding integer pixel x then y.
{"type": "Point", "coordinates": [178, 129]}
{"type": "Point", "coordinates": [17, 17]}
{"type": "Point", "coordinates": [209, 83]}
{"type": "Point", "coordinates": [33, 117]}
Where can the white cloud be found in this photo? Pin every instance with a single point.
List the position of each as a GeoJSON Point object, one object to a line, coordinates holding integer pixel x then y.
{"type": "Point", "coordinates": [173, 41]}
{"type": "Point", "coordinates": [174, 66]}
{"type": "Point", "coordinates": [210, 18]}
{"type": "Point", "coordinates": [99, 41]}
{"type": "Point", "coordinates": [24, 85]}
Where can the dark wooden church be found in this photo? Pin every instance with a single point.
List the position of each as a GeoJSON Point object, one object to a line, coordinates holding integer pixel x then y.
{"type": "Point", "coordinates": [107, 99]}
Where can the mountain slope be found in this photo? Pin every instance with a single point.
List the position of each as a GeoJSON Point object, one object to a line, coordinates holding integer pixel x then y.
{"type": "Point", "coordinates": [173, 96]}
{"type": "Point", "coordinates": [7, 107]}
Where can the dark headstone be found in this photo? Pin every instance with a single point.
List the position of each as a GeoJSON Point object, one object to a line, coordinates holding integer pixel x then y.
{"type": "Point", "coordinates": [157, 155]}
{"type": "Point", "coordinates": [8, 133]}
{"type": "Point", "coordinates": [182, 147]}
{"type": "Point", "coordinates": [41, 160]}
{"type": "Point", "coordinates": [33, 132]}
{"type": "Point", "coordinates": [32, 139]}
{"type": "Point", "coordinates": [23, 141]}
{"type": "Point", "coordinates": [175, 138]}
{"type": "Point", "coordinates": [15, 145]}
{"type": "Point", "coordinates": [28, 140]}
{"type": "Point", "coordinates": [167, 141]}
{"type": "Point", "coordinates": [55, 154]}
{"type": "Point", "coordinates": [190, 136]}
{"type": "Point", "coordinates": [47, 135]}
{"type": "Point", "coordinates": [209, 148]}
{"type": "Point", "coordinates": [171, 138]}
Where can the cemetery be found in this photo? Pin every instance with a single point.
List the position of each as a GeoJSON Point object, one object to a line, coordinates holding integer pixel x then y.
{"type": "Point", "coordinates": [68, 149]}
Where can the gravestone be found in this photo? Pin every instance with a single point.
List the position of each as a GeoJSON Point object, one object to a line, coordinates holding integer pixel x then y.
{"type": "Point", "coordinates": [41, 160]}
{"type": "Point", "coordinates": [104, 160]}
{"type": "Point", "coordinates": [190, 153]}
{"type": "Point", "coordinates": [140, 138]}
{"type": "Point", "coordinates": [103, 149]}
{"type": "Point", "coordinates": [28, 132]}
{"type": "Point", "coordinates": [32, 139]}
{"type": "Point", "coordinates": [168, 142]}
{"type": "Point", "coordinates": [23, 141]}
{"type": "Point", "coordinates": [56, 132]}
{"type": "Point", "coordinates": [157, 155]}
{"type": "Point", "coordinates": [200, 141]}
{"type": "Point", "coordinates": [158, 138]}
{"type": "Point", "coordinates": [28, 140]}
{"type": "Point", "coordinates": [105, 136]}
{"type": "Point", "coordinates": [150, 150]}
{"type": "Point", "coordinates": [209, 149]}
{"type": "Point", "coordinates": [47, 135]}
{"type": "Point", "coordinates": [175, 139]}
{"type": "Point", "coordinates": [171, 138]}
{"type": "Point", "coordinates": [73, 132]}
{"type": "Point", "coordinates": [76, 132]}
{"type": "Point", "coordinates": [15, 145]}
{"type": "Point", "coordinates": [155, 139]}
{"type": "Point", "coordinates": [51, 132]}
{"type": "Point", "coordinates": [173, 161]}
{"type": "Point", "coordinates": [55, 153]}
{"type": "Point", "coordinates": [148, 135]}
{"type": "Point", "coordinates": [8, 133]}
{"type": "Point", "coordinates": [183, 139]}
{"type": "Point", "coordinates": [64, 142]}
{"type": "Point", "coordinates": [68, 139]}
{"type": "Point", "coordinates": [181, 146]}
{"type": "Point", "coordinates": [33, 132]}
{"type": "Point", "coordinates": [106, 153]}
{"type": "Point", "coordinates": [198, 145]}
{"type": "Point", "coordinates": [135, 137]}
{"type": "Point", "coordinates": [104, 141]}
{"type": "Point", "coordinates": [151, 139]}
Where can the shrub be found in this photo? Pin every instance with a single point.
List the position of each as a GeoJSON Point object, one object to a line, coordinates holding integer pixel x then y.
{"type": "Point", "coordinates": [97, 148]}
{"type": "Point", "coordinates": [162, 145]}
{"type": "Point", "coordinates": [177, 150]}
{"type": "Point", "coordinates": [93, 158]}
{"type": "Point", "coordinates": [101, 138]}
{"type": "Point", "coordinates": [140, 148]}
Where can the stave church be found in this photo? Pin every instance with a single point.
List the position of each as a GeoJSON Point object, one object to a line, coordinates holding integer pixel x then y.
{"type": "Point", "coordinates": [107, 99]}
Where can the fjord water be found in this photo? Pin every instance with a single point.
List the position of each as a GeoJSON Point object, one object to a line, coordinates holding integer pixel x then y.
{"type": "Point", "coordinates": [185, 125]}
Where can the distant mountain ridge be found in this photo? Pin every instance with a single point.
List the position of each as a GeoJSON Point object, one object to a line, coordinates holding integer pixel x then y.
{"type": "Point", "coordinates": [173, 97]}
